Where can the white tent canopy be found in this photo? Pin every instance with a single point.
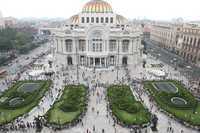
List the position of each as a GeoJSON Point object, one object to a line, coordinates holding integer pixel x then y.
{"type": "Point", "coordinates": [157, 72]}
{"type": "Point", "coordinates": [35, 73]}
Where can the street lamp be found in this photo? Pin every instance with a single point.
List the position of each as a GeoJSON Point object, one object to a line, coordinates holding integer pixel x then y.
{"type": "Point", "coordinates": [118, 62]}
{"type": "Point", "coordinates": [77, 65]}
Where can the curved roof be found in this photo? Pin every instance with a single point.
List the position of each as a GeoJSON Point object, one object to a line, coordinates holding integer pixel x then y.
{"type": "Point", "coordinates": [97, 6]}
{"type": "Point", "coordinates": [75, 19]}
{"type": "Point", "coordinates": [120, 19]}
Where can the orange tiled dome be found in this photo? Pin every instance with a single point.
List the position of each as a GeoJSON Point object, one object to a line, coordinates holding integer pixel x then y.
{"type": "Point", "coordinates": [97, 6]}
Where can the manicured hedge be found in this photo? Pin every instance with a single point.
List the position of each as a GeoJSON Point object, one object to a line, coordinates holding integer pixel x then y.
{"type": "Point", "coordinates": [189, 113]}
{"type": "Point", "coordinates": [124, 106]}
{"type": "Point", "coordinates": [9, 113]}
{"type": "Point", "coordinates": [69, 107]}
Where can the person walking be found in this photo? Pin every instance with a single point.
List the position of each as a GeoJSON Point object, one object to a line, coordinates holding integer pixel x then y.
{"type": "Point", "coordinates": [93, 128]}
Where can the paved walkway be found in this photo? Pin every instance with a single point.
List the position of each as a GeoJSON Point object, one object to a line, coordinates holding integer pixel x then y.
{"type": "Point", "coordinates": [101, 121]}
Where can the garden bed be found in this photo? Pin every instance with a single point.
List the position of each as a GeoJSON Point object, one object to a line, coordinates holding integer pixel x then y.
{"type": "Point", "coordinates": [181, 105]}
{"type": "Point", "coordinates": [125, 109]}
{"type": "Point", "coordinates": [15, 103]}
{"type": "Point", "coordinates": [69, 109]}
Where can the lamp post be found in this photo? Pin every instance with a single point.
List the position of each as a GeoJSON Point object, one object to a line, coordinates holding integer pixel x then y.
{"type": "Point", "coordinates": [77, 67]}
{"type": "Point", "coordinates": [118, 62]}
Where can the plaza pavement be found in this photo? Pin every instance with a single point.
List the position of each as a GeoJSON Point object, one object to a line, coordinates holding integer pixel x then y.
{"type": "Point", "coordinates": [101, 121]}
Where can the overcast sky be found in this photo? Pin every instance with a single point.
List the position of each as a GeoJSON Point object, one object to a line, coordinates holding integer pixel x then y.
{"type": "Point", "coordinates": [151, 9]}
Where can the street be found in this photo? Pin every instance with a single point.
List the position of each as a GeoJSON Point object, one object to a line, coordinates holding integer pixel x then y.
{"type": "Point", "coordinates": [191, 72]}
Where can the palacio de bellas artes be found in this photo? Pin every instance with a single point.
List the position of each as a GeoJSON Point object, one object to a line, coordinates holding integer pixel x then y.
{"type": "Point", "coordinates": [108, 67]}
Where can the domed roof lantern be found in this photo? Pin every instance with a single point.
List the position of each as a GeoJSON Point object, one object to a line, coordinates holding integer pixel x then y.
{"type": "Point", "coordinates": [97, 6]}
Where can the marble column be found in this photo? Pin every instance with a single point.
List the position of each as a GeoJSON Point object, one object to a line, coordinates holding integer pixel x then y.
{"type": "Point", "coordinates": [93, 62]}
{"type": "Point", "coordinates": [100, 62]}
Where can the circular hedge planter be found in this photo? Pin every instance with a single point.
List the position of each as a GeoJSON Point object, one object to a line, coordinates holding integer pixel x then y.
{"type": "Point", "coordinates": [178, 101]}
{"type": "Point", "coordinates": [16, 101]}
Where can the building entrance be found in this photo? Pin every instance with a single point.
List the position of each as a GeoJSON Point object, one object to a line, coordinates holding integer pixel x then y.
{"type": "Point", "coordinates": [97, 62]}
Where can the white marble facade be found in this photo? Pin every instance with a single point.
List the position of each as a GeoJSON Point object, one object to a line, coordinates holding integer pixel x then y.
{"type": "Point", "coordinates": [97, 37]}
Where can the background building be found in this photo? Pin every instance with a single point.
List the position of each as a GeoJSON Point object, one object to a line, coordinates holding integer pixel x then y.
{"type": "Point", "coordinates": [165, 34]}
{"type": "Point", "coordinates": [182, 39]}
{"type": "Point", "coordinates": [10, 22]}
{"type": "Point", "coordinates": [2, 24]}
{"type": "Point", "coordinates": [189, 43]}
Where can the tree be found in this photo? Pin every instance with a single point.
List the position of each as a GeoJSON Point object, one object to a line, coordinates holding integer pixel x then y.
{"type": "Point", "coordinates": [11, 39]}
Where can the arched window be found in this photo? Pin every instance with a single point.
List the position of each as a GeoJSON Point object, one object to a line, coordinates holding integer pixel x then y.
{"type": "Point", "coordinates": [107, 20]}
{"type": "Point", "coordinates": [195, 41]}
{"type": "Point", "coordinates": [198, 43]}
{"type": "Point", "coordinates": [83, 20]}
{"type": "Point", "coordinates": [191, 39]}
{"type": "Point", "coordinates": [69, 60]}
{"type": "Point", "coordinates": [96, 42]}
{"type": "Point", "coordinates": [112, 60]}
{"type": "Point", "coordinates": [124, 61]}
{"type": "Point", "coordinates": [102, 20]}
{"type": "Point", "coordinates": [112, 45]}
{"type": "Point", "coordinates": [125, 45]}
{"type": "Point", "coordinates": [88, 19]}
{"type": "Point", "coordinates": [82, 45]}
{"type": "Point", "coordinates": [97, 20]}
{"type": "Point", "coordinates": [97, 45]}
{"type": "Point", "coordinates": [111, 20]}
{"type": "Point", "coordinates": [68, 44]}
{"type": "Point", "coordinates": [92, 19]}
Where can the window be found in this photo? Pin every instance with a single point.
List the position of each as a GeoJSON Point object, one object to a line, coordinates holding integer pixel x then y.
{"type": "Point", "coordinates": [102, 20]}
{"type": "Point", "coordinates": [82, 45]}
{"type": "Point", "coordinates": [187, 39]}
{"type": "Point", "coordinates": [125, 45]}
{"type": "Point", "coordinates": [83, 20]}
{"type": "Point", "coordinates": [194, 43]}
{"type": "Point", "coordinates": [106, 19]}
{"type": "Point", "coordinates": [82, 60]}
{"type": "Point", "coordinates": [92, 20]}
{"type": "Point", "coordinates": [69, 60]}
{"type": "Point", "coordinates": [191, 40]}
{"type": "Point", "coordinates": [68, 44]}
{"type": "Point", "coordinates": [199, 43]}
{"type": "Point", "coordinates": [97, 45]}
{"type": "Point", "coordinates": [112, 60]}
{"type": "Point", "coordinates": [93, 47]}
{"type": "Point", "coordinates": [97, 20]}
{"type": "Point", "coordinates": [112, 45]}
{"type": "Point", "coordinates": [100, 45]}
{"type": "Point", "coordinates": [88, 19]}
{"type": "Point", "coordinates": [111, 20]}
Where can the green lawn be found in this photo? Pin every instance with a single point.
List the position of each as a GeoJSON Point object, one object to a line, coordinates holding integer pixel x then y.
{"type": "Point", "coordinates": [125, 107]}
{"type": "Point", "coordinates": [189, 112]}
{"type": "Point", "coordinates": [10, 112]}
{"type": "Point", "coordinates": [69, 107]}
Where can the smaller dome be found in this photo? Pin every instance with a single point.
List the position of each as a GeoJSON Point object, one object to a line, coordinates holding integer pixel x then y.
{"type": "Point", "coordinates": [75, 19]}
{"type": "Point", "coordinates": [97, 6]}
{"type": "Point", "coordinates": [120, 19]}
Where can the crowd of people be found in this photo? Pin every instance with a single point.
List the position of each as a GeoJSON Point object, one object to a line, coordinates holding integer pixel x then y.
{"type": "Point", "coordinates": [96, 90]}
